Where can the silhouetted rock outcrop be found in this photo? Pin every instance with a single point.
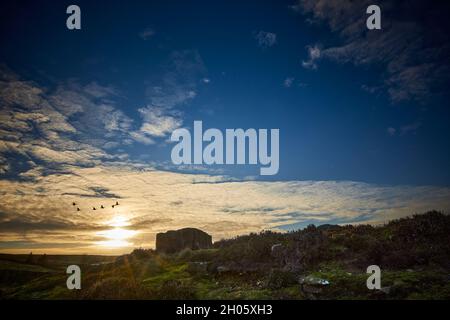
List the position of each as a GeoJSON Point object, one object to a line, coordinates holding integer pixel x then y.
{"type": "Point", "coordinates": [177, 240]}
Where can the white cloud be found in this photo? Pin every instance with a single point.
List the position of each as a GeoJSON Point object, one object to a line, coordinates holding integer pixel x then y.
{"type": "Point", "coordinates": [98, 91]}
{"type": "Point", "coordinates": [79, 157]}
{"type": "Point", "coordinates": [410, 128]}
{"type": "Point", "coordinates": [154, 201]}
{"type": "Point", "coordinates": [415, 67]}
{"type": "Point", "coordinates": [141, 137]}
{"type": "Point", "coordinates": [266, 39]}
{"type": "Point", "coordinates": [288, 82]}
{"type": "Point", "coordinates": [67, 126]}
{"type": "Point", "coordinates": [314, 54]}
{"type": "Point", "coordinates": [158, 122]}
{"type": "Point", "coordinates": [178, 85]}
{"type": "Point", "coordinates": [406, 129]}
{"type": "Point", "coordinates": [391, 131]}
{"type": "Point", "coordinates": [147, 33]}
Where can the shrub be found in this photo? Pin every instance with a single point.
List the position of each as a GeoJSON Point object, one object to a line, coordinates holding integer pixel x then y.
{"type": "Point", "coordinates": [174, 290]}
{"type": "Point", "coordinates": [279, 279]}
{"type": "Point", "coordinates": [115, 288]}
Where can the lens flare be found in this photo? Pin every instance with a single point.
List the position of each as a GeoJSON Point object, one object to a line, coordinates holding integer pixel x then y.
{"type": "Point", "coordinates": [117, 236]}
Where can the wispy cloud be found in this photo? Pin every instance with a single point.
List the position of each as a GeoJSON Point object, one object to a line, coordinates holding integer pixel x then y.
{"type": "Point", "coordinates": [157, 122]}
{"type": "Point", "coordinates": [178, 85]}
{"type": "Point", "coordinates": [391, 131]}
{"type": "Point", "coordinates": [314, 54]}
{"type": "Point", "coordinates": [266, 39]}
{"type": "Point", "coordinates": [179, 82]}
{"type": "Point", "coordinates": [152, 201]}
{"type": "Point", "coordinates": [147, 34]}
{"type": "Point", "coordinates": [410, 128]}
{"type": "Point", "coordinates": [84, 124]}
{"type": "Point", "coordinates": [288, 82]}
{"type": "Point", "coordinates": [414, 52]}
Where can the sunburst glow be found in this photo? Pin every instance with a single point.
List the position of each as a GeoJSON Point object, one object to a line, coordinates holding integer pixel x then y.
{"type": "Point", "coordinates": [118, 236]}
{"type": "Point", "coordinates": [119, 221]}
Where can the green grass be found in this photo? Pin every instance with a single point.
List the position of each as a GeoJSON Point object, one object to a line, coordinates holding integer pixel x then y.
{"type": "Point", "coordinates": [173, 272]}
{"type": "Point", "coordinates": [16, 266]}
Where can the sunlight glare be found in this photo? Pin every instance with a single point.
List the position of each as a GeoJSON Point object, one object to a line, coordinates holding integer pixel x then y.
{"type": "Point", "coordinates": [117, 237]}
{"type": "Point", "coordinates": [119, 221]}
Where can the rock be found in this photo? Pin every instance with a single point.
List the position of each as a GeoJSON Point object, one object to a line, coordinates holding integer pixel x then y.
{"type": "Point", "coordinates": [310, 286]}
{"type": "Point", "coordinates": [311, 280]}
{"type": "Point", "coordinates": [177, 240]}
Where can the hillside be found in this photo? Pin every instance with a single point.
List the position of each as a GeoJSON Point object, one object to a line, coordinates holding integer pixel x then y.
{"type": "Point", "coordinates": [326, 262]}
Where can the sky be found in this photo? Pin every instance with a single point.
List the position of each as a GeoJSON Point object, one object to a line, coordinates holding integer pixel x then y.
{"type": "Point", "coordinates": [86, 117]}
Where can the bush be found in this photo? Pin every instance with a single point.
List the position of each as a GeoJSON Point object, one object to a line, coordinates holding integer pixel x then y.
{"type": "Point", "coordinates": [174, 290]}
{"type": "Point", "coordinates": [115, 288]}
{"type": "Point", "coordinates": [280, 279]}
{"type": "Point", "coordinates": [142, 253]}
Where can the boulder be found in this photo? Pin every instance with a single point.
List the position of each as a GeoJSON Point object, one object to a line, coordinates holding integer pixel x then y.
{"type": "Point", "coordinates": [187, 238]}
{"type": "Point", "coordinates": [314, 281]}
{"type": "Point", "coordinates": [310, 286]}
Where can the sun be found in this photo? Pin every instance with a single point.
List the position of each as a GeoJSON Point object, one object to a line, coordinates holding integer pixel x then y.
{"type": "Point", "coordinates": [119, 221]}
{"type": "Point", "coordinates": [117, 236]}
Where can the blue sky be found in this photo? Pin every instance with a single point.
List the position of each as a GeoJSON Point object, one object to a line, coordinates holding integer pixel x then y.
{"type": "Point", "coordinates": [351, 104]}
{"type": "Point", "coordinates": [331, 128]}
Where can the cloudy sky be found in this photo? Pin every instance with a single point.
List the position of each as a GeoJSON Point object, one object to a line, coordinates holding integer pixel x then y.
{"type": "Point", "coordinates": [86, 117]}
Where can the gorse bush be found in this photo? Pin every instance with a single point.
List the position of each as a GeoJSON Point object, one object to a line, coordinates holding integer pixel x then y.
{"type": "Point", "coordinates": [174, 290]}
{"type": "Point", "coordinates": [417, 240]}
{"type": "Point", "coordinates": [279, 279]}
{"type": "Point", "coordinates": [116, 288]}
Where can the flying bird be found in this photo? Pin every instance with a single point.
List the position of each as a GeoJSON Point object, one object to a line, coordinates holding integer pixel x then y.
{"type": "Point", "coordinates": [117, 203]}
{"type": "Point", "coordinates": [78, 209]}
{"type": "Point", "coordinates": [73, 203]}
{"type": "Point", "coordinates": [93, 208]}
{"type": "Point", "coordinates": [102, 207]}
{"type": "Point", "coordinates": [112, 206]}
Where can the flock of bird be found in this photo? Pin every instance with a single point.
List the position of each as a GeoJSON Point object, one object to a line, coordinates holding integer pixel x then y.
{"type": "Point", "coordinates": [94, 208]}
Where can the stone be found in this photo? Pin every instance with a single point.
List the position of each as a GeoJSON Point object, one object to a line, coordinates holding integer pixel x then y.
{"type": "Point", "coordinates": [187, 238]}
{"type": "Point", "coordinates": [311, 286]}
{"type": "Point", "coordinates": [314, 281]}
